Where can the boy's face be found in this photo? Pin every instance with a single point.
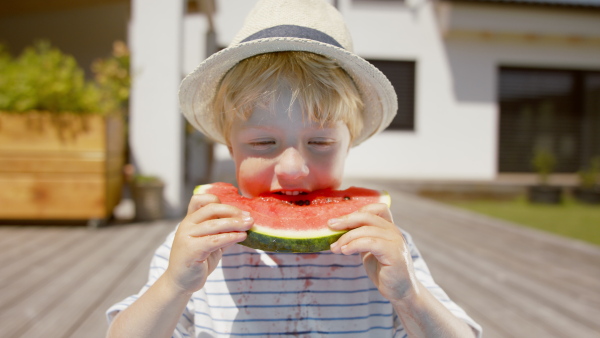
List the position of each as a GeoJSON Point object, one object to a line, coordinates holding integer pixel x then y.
{"type": "Point", "coordinates": [279, 150]}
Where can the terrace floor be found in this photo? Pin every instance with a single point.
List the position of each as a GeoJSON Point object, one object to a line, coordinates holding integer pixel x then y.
{"type": "Point", "coordinates": [57, 281]}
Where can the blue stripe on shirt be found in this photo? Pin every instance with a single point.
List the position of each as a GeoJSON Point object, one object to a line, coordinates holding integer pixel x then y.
{"type": "Point", "coordinates": [294, 319]}
{"type": "Point", "coordinates": [289, 305]}
{"type": "Point", "coordinates": [283, 279]}
{"type": "Point", "coordinates": [295, 333]}
{"type": "Point", "coordinates": [287, 292]}
{"type": "Point", "coordinates": [290, 266]}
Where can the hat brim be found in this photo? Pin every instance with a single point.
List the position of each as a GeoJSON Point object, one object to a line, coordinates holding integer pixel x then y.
{"type": "Point", "coordinates": [198, 89]}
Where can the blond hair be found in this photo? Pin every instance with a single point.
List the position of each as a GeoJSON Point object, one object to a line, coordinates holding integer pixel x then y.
{"type": "Point", "coordinates": [326, 93]}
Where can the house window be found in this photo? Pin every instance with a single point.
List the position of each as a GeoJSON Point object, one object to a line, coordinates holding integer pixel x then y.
{"type": "Point", "coordinates": [402, 76]}
{"type": "Point", "coordinates": [557, 110]}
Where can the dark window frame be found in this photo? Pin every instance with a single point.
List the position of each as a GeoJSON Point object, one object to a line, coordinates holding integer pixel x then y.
{"type": "Point", "coordinates": [403, 76]}
{"type": "Point", "coordinates": [576, 116]}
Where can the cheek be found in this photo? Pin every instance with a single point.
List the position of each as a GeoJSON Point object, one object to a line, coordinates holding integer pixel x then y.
{"type": "Point", "coordinates": [331, 167]}
{"type": "Point", "coordinates": [250, 167]}
{"type": "Point", "coordinates": [252, 174]}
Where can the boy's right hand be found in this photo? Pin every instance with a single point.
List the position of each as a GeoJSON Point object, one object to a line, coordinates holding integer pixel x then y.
{"type": "Point", "coordinates": [207, 229]}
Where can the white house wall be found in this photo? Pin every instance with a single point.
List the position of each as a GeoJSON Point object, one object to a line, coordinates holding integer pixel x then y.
{"type": "Point", "coordinates": [451, 140]}
{"type": "Point", "coordinates": [156, 126]}
{"type": "Point", "coordinates": [456, 117]}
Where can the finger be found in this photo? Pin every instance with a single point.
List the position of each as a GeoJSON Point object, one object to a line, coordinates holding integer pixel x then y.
{"type": "Point", "coordinates": [383, 250]}
{"type": "Point", "coordinates": [373, 214]}
{"type": "Point", "coordinates": [378, 209]}
{"type": "Point", "coordinates": [199, 200]}
{"type": "Point", "coordinates": [369, 231]}
{"type": "Point", "coordinates": [221, 225]}
{"type": "Point", "coordinates": [202, 247]}
{"type": "Point", "coordinates": [215, 211]}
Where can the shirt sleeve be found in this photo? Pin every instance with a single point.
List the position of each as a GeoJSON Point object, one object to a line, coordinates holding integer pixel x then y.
{"type": "Point", "coordinates": [424, 276]}
{"type": "Point", "coordinates": [158, 265]}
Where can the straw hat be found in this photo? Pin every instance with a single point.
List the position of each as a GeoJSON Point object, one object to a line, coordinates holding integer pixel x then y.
{"type": "Point", "coordinates": [290, 25]}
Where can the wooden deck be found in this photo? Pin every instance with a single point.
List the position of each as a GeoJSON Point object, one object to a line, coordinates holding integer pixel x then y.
{"type": "Point", "coordinates": [57, 281]}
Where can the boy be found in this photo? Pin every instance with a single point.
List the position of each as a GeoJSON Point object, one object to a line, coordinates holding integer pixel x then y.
{"type": "Point", "coordinates": [289, 100]}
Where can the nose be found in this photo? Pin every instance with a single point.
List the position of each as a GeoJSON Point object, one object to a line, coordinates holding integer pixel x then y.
{"type": "Point", "coordinates": [291, 165]}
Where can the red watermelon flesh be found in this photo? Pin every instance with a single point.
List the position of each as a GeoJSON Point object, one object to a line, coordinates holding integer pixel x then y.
{"type": "Point", "coordinates": [295, 223]}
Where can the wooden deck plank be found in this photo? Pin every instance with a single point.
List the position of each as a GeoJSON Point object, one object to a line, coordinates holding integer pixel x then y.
{"type": "Point", "coordinates": [42, 266]}
{"type": "Point", "coordinates": [518, 272]}
{"type": "Point", "coordinates": [16, 244]}
{"type": "Point", "coordinates": [11, 236]}
{"type": "Point", "coordinates": [33, 251]}
{"type": "Point", "coordinates": [36, 303]}
{"type": "Point", "coordinates": [531, 316]}
{"type": "Point", "coordinates": [536, 246]}
{"type": "Point", "coordinates": [79, 301]}
{"type": "Point", "coordinates": [129, 283]}
{"type": "Point", "coordinates": [549, 272]}
{"type": "Point", "coordinates": [492, 311]}
{"type": "Point", "coordinates": [549, 281]}
{"type": "Point", "coordinates": [470, 288]}
{"type": "Point", "coordinates": [540, 247]}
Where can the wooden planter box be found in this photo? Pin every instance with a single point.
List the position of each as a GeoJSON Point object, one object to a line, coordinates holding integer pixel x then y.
{"type": "Point", "coordinates": [60, 168]}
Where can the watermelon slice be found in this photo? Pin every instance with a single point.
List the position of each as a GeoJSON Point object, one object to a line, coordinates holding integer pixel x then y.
{"type": "Point", "coordinates": [295, 223]}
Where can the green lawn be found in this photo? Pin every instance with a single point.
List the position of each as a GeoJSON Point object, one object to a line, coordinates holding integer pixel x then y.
{"type": "Point", "coordinates": [570, 219]}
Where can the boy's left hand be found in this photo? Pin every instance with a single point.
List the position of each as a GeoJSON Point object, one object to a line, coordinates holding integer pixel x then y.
{"type": "Point", "coordinates": [384, 252]}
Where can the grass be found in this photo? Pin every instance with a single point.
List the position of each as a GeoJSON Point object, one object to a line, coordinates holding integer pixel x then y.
{"type": "Point", "coordinates": [570, 219]}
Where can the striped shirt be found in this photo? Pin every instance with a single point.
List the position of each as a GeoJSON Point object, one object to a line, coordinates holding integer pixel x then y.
{"type": "Point", "coordinates": [255, 293]}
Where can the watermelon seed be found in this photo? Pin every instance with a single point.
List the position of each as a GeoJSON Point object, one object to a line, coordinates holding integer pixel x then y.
{"type": "Point", "coordinates": [347, 198]}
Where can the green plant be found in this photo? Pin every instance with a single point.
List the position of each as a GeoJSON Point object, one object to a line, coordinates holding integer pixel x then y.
{"type": "Point", "coordinates": [146, 179]}
{"type": "Point", "coordinates": [544, 163]}
{"type": "Point", "coordinates": [43, 78]}
{"type": "Point", "coordinates": [590, 176]}
{"type": "Point", "coordinates": [113, 78]}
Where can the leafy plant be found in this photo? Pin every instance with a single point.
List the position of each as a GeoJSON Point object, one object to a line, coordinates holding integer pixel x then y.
{"type": "Point", "coordinates": [544, 163]}
{"type": "Point", "coordinates": [113, 78]}
{"type": "Point", "coordinates": [146, 179]}
{"type": "Point", "coordinates": [43, 78]}
{"type": "Point", "coordinates": [590, 176]}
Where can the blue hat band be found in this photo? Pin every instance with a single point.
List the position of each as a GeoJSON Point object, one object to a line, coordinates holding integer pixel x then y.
{"type": "Point", "coordinates": [293, 31]}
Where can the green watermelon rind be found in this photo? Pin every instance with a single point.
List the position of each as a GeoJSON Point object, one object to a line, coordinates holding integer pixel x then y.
{"type": "Point", "coordinates": [260, 241]}
{"type": "Point", "coordinates": [292, 241]}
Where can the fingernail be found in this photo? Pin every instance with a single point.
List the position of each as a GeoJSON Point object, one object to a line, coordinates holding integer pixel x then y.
{"type": "Point", "coordinates": [246, 213]}
{"type": "Point", "coordinates": [333, 245]}
{"type": "Point", "coordinates": [333, 222]}
{"type": "Point", "coordinates": [247, 220]}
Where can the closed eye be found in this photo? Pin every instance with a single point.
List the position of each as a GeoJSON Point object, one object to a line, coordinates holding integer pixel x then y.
{"type": "Point", "coordinates": [321, 143]}
{"type": "Point", "coordinates": [321, 140]}
{"type": "Point", "coordinates": [261, 144]}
